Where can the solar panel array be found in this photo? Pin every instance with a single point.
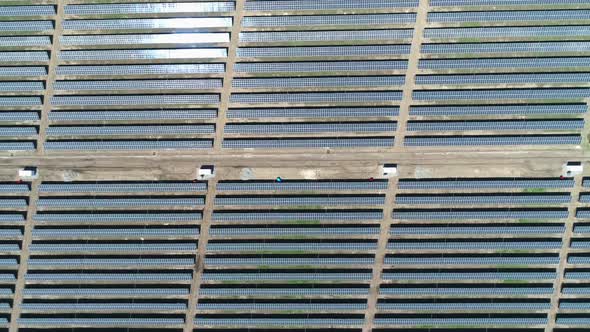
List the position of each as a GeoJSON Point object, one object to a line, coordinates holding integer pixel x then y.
{"type": "Point", "coordinates": [25, 43]}
{"type": "Point", "coordinates": [158, 69]}
{"type": "Point", "coordinates": [292, 253]}
{"type": "Point", "coordinates": [222, 77]}
{"type": "Point", "coordinates": [460, 248]}
{"type": "Point", "coordinates": [306, 75]}
{"type": "Point", "coordinates": [14, 203]}
{"type": "Point", "coordinates": [469, 252]}
{"type": "Point", "coordinates": [502, 61]}
{"type": "Point", "coordinates": [112, 254]}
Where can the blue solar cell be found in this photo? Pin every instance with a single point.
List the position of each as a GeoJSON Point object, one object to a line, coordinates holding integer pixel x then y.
{"type": "Point", "coordinates": [436, 3]}
{"type": "Point", "coordinates": [474, 199]}
{"type": "Point", "coordinates": [9, 218]}
{"type": "Point", "coordinates": [336, 35]}
{"type": "Point", "coordinates": [556, 62]}
{"type": "Point", "coordinates": [495, 125]}
{"type": "Point", "coordinates": [124, 247]}
{"type": "Point", "coordinates": [77, 307]}
{"type": "Point", "coordinates": [495, 16]}
{"type": "Point", "coordinates": [24, 56]}
{"type": "Point", "coordinates": [131, 115]}
{"type": "Point", "coordinates": [302, 185]}
{"type": "Point", "coordinates": [19, 116]}
{"type": "Point", "coordinates": [20, 101]}
{"type": "Point", "coordinates": [573, 321]}
{"type": "Point", "coordinates": [25, 41]}
{"type": "Point", "coordinates": [129, 130]}
{"type": "Point", "coordinates": [74, 187]}
{"type": "Point", "coordinates": [104, 292]}
{"type": "Point", "coordinates": [113, 217]}
{"type": "Point", "coordinates": [315, 276]}
{"type": "Point", "coordinates": [468, 306]}
{"type": "Point", "coordinates": [143, 54]}
{"type": "Point", "coordinates": [144, 39]}
{"type": "Point", "coordinates": [547, 93]}
{"type": "Point", "coordinates": [497, 110]}
{"type": "Point", "coordinates": [131, 100]}
{"type": "Point", "coordinates": [283, 291]}
{"type": "Point", "coordinates": [292, 261]}
{"type": "Point", "coordinates": [18, 131]}
{"type": "Point", "coordinates": [286, 216]}
{"type": "Point", "coordinates": [468, 276]}
{"type": "Point", "coordinates": [488, 229]}
{"type": "Point", "coordinates": [26, 26]}
{"type": "Point", "coordinates": [326, 4]}
{"type": "Point", "coordinates": [184, 84]}
{"type": "Point", "coordinates": [481, 214]}
{"type": "Point", "coordinates": [115, 322]}
{"type": "Point", "coordinates": [238, 113]}
{"type": "Point", "coordinates": [323, 51]}
{"type": "Point", "coordinates": [300, 200]}
{"type": "Point", "coordinates": [90, 277]}
{"type": "Point", "coordinates": [44, 10]}
{"type": "Point", "coordinates": [269, 67]}
{"type": "Point", "coordinates": [528, 260]}
{"type": "Point", "coordinates": [282, 306]}
{"type": "Point", "coordinates": [110, 262]}
{"type": "Point", "coordinates": [19, 188]}
{"type": "Point", "coordinates": [290, 246]}
{"type": "Point", "coordinates": [306, 82]}
{"type": "Point", "coordinates": [307, 143]}
{"type": "Point", "coordinates": [156, 23]}
{"type": "Point", "coordinates": [508, 32]}
{"type": "Point", "coordinates": [502, 78]}
{"type": "Point", "coordinates": [574, 47]}
{"type": "Point", "coordinates": [526, 321]}
{"type": "Point", "coordinates": [474, 245]}
{"type": "Point", "coordinates": [308, 128]}
{"type": "Point", "coordinates": [278, 321]}
{"type": "Point", "coordinates": [155, 69]}
{"type": "Point", "coordinates": [117, 202]}
{"type": "Point", "coordinates": [493, 140]}
{"type": "Point", "coordinates": [128, 145]}
{"type": "Point", "coordinates": [152, 8]}
{"type": "Point", "coordinates": [23, 71]}
{"type": "Point", "coordinates": [305, 21]}
{"type": "Point", "coordinates": [115, 232]}
{"type": "Point", "coordinates": [465, 183]}
{"type": "Point", "coordinates": [467, 290]}
{"type": "Point", "coordinates": [315, 97]}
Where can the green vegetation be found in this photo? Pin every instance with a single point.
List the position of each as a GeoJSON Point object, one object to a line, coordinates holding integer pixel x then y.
{"type": "Point", "coordinates": [303, 222]}
{"type": "Point", "coordinates": [307, 207]}
{"type": "Point", "coordinates": [512, 251]}
{"type": "Point", "coordinates": [535, 190]}
{"type": "Point", "coordinates": [231, 282]}
{"type": "Point", "coordinates": [472, 25]}
{"type": "Point", "coordinates": [586, 143]}
{"type": "Point", "coordinates": [467, 40]}
{"type": "Point", "coordinates": [287, 311]}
